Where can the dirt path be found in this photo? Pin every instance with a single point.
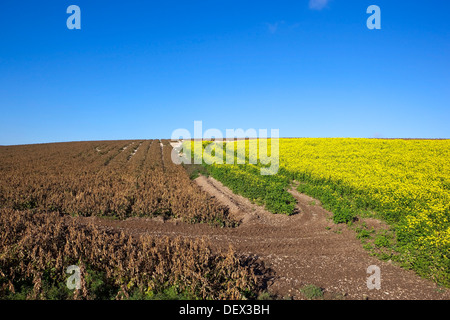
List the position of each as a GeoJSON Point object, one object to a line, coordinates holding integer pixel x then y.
{"type": "Point", "coordinates": [302, 249]}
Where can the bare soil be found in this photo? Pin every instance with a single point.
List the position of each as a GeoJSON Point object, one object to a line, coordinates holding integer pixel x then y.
{"type": "Point", "coordinates": [302, 249]}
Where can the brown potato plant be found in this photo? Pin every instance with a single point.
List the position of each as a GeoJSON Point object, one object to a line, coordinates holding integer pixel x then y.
{"type": "Point", "coordinates": [37, 247]}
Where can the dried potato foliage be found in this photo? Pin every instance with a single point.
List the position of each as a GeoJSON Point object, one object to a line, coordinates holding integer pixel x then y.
{"type": "Point", "coordinates": [37, 247]}
{"type": "Point", "coordinates": [104, 178]}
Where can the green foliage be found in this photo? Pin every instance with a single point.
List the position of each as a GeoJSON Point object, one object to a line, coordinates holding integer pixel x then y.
{"type": "Point", "coordinates": [247, 181]}
{"type": "Point", "coordinates": [382, 241]}
{"type": "Point", "coordinates": [265, 296]}
{"type": "Point", "coordinates": [343, 209]}
{"type": "Point", "coordinates": [169, 293]}
{"type": "Point", "coordinates": [312, 292]}
{"type": "Point", "coordinates": [363, 233]}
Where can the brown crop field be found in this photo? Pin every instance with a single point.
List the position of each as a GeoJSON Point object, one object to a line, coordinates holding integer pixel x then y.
{"type": "Point", "coordinates": [42, 185]}
{"type": "Point", "coordinates": [115, 179]}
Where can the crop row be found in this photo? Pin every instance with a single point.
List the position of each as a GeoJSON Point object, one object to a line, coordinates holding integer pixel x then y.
{"type": "Point", "coordinates": [113, 178]}
{"type": "Point", "coordinates": [36, 249]}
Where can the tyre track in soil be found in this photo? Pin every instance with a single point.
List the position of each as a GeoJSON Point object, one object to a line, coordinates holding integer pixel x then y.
{"type": "Point", "coordinates": [305, 248]}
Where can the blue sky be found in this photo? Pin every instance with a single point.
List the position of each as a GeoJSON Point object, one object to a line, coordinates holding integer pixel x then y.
{"type": "Point", "coordinates": [141, 69]}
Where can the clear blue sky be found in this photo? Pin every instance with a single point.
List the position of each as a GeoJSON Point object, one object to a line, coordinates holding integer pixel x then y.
{"type": "Point", "coordinates": [141, 69]}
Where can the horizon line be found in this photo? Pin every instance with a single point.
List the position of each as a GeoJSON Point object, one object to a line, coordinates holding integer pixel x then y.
{"type": "Point", "coordinates": [225, 139]}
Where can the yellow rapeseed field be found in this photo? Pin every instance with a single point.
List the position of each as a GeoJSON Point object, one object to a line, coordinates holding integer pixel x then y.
{"type": "Point", "coordinates": [404, 182]}
{"type": "Point", "coordinates": [402, 179]}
